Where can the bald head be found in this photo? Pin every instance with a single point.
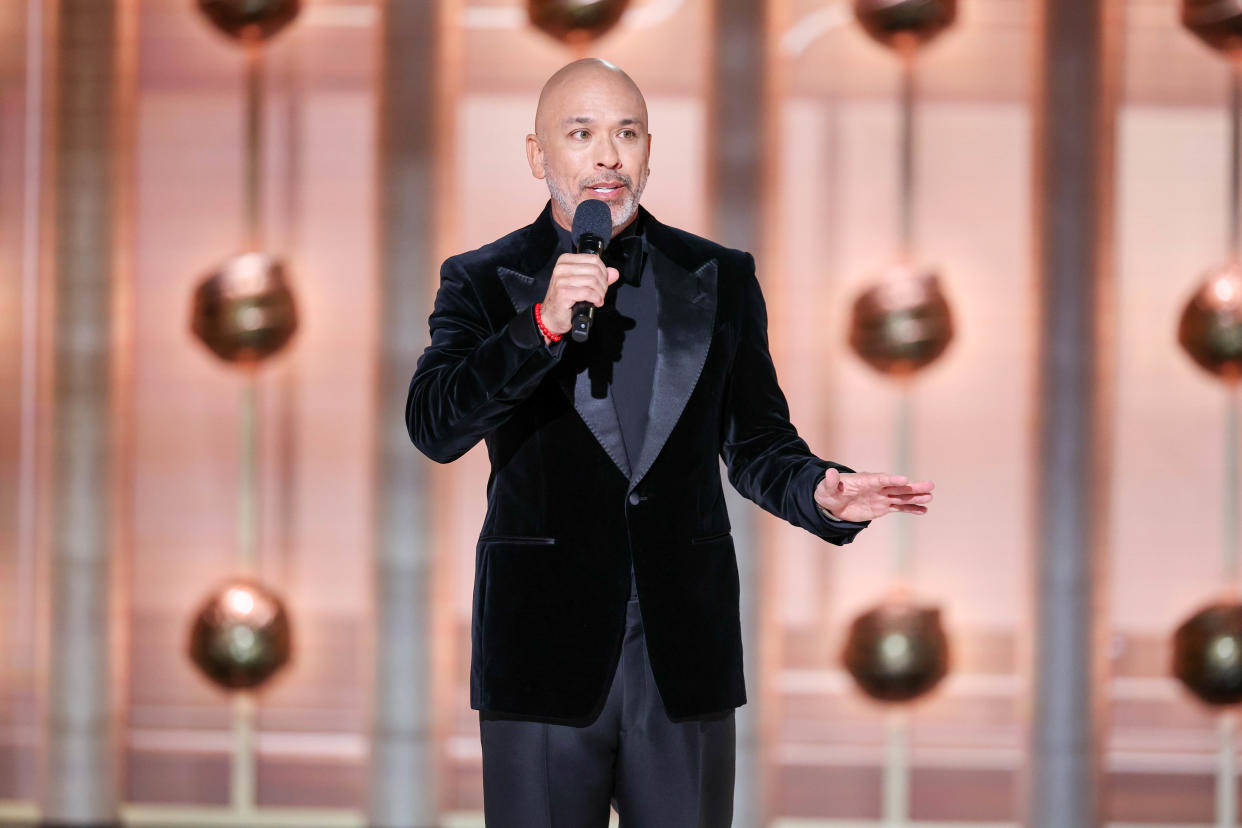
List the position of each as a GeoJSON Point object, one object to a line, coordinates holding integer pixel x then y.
{"type": "Point", "coordinates": [580, 83]}
{"type": "Point", "coordinates": [591, 140]}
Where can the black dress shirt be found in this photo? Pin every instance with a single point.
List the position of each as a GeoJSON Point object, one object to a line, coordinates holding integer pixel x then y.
{"type": "Point", "coordinates": [623, 335]}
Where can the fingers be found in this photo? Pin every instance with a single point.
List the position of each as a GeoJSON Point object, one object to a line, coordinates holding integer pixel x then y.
{"type": "Point", "coordinates": [910, 497]}
{"type": "Point", "coordinates": [613, 275]}
{"type": "Point", "coordinates": [909, 508]}
{"type": "Point", "coordinates": [876, 480]}
{"type": "Point", "coordinates": [921, 487]}
{"type": "Point", "coordinates": [579, 258]}
{"type": "Point", "coordinates": [576, 277]}
{"type": "Point", "coordinates": [579, 282]}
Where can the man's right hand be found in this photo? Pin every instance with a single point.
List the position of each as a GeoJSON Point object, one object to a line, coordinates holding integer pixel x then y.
{"type": "Point", "coordinates": [577, 277]}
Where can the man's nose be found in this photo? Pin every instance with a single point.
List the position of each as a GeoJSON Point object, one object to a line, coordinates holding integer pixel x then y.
{"type": "Point", "coordinates": [608, 157]}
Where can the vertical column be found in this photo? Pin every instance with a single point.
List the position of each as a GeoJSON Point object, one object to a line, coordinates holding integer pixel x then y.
{"type": "Point", "coordinates": [16, 407]}
{"type": "Point", "coordinates": [94, 53]}
{"type": "Point", "coordinates": [736, 136]}
{"type": "Point", "coordinates": [403, 789]}
{"type": "Point", "coordinates": [1074, 136]}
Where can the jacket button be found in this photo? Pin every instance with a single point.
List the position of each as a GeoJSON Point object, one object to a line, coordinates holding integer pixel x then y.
{"type": "Point", "coordinates": [635, 499]}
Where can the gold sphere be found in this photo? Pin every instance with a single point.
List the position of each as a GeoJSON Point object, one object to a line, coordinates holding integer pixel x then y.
{"type": "Point", "coordinates": [1207, 653]}
{"type": "Point", "coordinates": [250, 20]}
{"type": "Point", "coordinates": [903, 323]}
{"type": "Point", "coordinates": [244, 311]}
{"type": "Point", "coordinates": [1210, 330]}
{"type": "Point", "coordinates": [897, 651]}
{"type": "Point", "coordinates": [240, 636]}
{"type": "Point", "coordinates": [1218, 23]}
{"type": "Point", "coordinates": [575, 22]}
{"type": "Point", "coordinates": [904, 25]}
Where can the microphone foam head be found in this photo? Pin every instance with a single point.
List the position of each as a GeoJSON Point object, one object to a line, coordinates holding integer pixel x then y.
{"type": "Point", "coordinates": [594, 217]}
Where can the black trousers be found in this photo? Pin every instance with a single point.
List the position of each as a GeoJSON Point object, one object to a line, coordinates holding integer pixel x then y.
{"type": "Point", "coordinates": [656, 773]}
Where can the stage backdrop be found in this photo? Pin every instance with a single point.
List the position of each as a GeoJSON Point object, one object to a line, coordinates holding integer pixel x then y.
{"type": "Point", "coordinates": [830, 223]}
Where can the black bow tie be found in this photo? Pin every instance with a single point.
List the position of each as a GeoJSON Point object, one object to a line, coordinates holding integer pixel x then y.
{"type": "Point", "coordinates": [627, 255]}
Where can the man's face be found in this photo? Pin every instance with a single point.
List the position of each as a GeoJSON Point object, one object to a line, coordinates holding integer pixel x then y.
{"type": "Point", "coordinates": [591, 141]}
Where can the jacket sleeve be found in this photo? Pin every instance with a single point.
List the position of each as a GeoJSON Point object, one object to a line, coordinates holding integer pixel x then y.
{"type": "Point", "coordinates": [471, 377]}
{"type": "Point", "coordinates": [767, 461]}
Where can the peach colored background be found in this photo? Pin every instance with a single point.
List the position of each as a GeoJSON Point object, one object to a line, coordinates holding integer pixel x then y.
{"type": "Point", "coordinates": [834, 213]}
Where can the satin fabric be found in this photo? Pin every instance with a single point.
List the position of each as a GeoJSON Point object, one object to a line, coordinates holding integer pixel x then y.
{"type": "Point", "coordinates": [621, 352]}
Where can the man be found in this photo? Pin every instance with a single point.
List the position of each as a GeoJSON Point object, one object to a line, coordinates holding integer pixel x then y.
{"type": "Point", "coordinates": [606, 647]}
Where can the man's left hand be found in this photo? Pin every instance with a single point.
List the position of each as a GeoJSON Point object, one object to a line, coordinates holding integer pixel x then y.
{"type": "Point", "coordinates": [866, 495]}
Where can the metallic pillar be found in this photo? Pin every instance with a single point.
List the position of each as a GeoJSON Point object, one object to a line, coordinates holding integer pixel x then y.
{"type": "Point", "coordinates": [735, 171]}
{"type": "Point", "coordinates": [93, 55]}
{"type": "Point", "coordinates": [1074, 133]}
{"type": "Point", "coordinates": [402, 780]}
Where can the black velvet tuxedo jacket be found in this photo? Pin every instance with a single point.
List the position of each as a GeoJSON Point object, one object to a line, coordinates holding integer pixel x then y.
{"type": "Point", "coordinates": [566, 510]}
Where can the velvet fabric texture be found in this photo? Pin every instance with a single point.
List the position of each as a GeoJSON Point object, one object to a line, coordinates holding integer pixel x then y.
{"type": "Point", "coordinates": [566, 512]}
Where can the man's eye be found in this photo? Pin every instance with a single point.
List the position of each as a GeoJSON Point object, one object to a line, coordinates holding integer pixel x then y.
{"type": "Point", "coordinates": [628, 133]}
{"type": "Point", "coordinates": [579, 134]}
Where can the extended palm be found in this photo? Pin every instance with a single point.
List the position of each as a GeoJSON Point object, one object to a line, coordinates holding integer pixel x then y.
{"type": "Point", "coordinates": [866, 495]}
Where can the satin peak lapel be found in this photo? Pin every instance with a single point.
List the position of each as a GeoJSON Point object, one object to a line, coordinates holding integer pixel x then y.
{"type": "Point", "coordinates": [599, 414]}
{"type": "Point", "coordinates": [686, 315]}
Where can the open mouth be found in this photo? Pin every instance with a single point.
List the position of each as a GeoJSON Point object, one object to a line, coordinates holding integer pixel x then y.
{"type": "Point", "coordinates": [606, 189]}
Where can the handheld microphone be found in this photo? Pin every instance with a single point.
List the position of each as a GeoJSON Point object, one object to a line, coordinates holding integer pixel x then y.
{"type": "Point", "coordinates": [591, 232]}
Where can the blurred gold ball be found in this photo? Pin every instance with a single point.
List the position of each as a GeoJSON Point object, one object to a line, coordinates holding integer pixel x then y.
{"type": "Point", "coordinates": [250, 20]}
{"type": "Point", "coordinates": [240, 636]}
{"type": "Point", "coordinates": [1210, 330]}
{"type": "Point", "coordinates": [903, 323]}
{"type": "Point", "coordinates": [897, 651]}
{"type": "Point", "coordinates": [1218, 23]}
{"type": "Point", "coordinates": [244, 311]}
{"type": "Point", "coordinates": [904, 25]}
{"type": "Point", "coordinates": [1207, 653]}
{"type": "Point", "coordinates": [575, 22]}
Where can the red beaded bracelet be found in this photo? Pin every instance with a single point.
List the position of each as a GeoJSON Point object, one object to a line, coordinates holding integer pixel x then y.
{"type": "Point", "coordinates": [542, 329]}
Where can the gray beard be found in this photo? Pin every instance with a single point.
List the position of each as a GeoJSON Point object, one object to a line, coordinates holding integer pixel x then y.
{"type": "Point", "coordinates": [568, 207]}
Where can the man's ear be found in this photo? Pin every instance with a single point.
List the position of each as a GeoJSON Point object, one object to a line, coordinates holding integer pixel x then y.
{"type": "Point", "coordinates": [534, 156]}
